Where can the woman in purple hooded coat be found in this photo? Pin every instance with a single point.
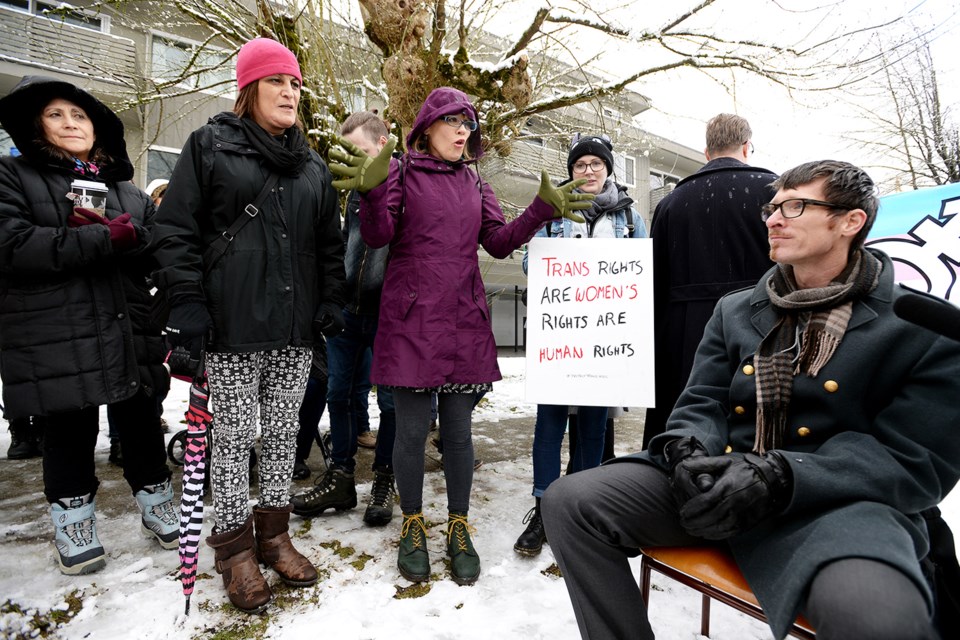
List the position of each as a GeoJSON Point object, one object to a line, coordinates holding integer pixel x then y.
{"type": "Point", "coordinates": [434, 331]}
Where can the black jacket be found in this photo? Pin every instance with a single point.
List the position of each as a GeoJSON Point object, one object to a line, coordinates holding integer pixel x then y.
{"type": "Point", "coordinates": [73, 311]}
{"type": "Point", "coordinates": [364, 266]}
{"type": "Point", "coordinates": [265, 290]}
{"type": "Point", "coordinates": [708, 240]}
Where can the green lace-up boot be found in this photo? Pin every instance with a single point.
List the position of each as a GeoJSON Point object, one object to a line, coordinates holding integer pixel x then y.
{"type": "Point", "coordinates": [464, 561]}
{"type": "Point", "coordinates": [413, 560]}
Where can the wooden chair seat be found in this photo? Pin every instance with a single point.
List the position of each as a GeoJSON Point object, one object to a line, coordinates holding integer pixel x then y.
{"type": "Point", "coordinates": [713, 572]}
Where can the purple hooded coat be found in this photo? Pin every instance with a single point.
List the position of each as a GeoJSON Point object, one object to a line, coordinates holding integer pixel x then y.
{"type": "Point", "coordinates": [434, 325]}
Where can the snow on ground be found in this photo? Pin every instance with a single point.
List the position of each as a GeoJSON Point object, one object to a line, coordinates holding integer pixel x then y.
{"type": "Point", "coordinates": [360, 594]}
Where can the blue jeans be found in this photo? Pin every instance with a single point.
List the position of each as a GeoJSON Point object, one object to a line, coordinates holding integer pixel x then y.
{"type": "Point", "coordinates": [548, 439]}
{"type": "Point", "coordinates": [348, 385]}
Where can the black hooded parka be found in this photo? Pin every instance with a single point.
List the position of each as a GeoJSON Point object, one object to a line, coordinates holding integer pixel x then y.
{"type": "Point", "coordinates": [73, 311]}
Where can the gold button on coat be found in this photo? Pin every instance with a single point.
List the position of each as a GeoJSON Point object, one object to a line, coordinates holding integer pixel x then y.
{"type": "Point", "coordinates": [803, 432]}
{"type": "Point", "coordinates": [729, 449]}
{"type": "Point", "coordinates": [739, 410]}
{"type": "Point", "coordinates": [831, 386]}
{"type": "Point", "coordinates": [748, 370]}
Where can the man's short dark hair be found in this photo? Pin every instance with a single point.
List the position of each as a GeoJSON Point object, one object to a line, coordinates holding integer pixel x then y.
{"type": "Point", "coordinates": [369, 122]}
{"type": "Point", "coordinates": [726, 132]}
{"type": "Point", "coordinates": [844, 184]}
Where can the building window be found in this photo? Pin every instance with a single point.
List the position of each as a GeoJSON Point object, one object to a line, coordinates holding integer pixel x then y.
{"type": "Point", "coordinates": [160, 163]}
{"type": "Point", "coordinates": [659, 179]}
{"type": "Point", "coordinates": [353, 99]}
{"type": "Point", "coordinates": [7, 148]}
{"type": "Point", "coordinates": [188, 65]}
{"type": "Point", "coordinates": [61, 12]}
{"type": "Point", "coordinates": [529, 137]}
{"type": "Point", "coordinates": [625, 168]}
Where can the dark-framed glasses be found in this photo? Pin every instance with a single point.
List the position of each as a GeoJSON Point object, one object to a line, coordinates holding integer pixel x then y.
{"type": "Point", "coordinates": [595, 166]}
{"type": "Point", "coordinates": [793, 207]}
{"type": "Point", "coordinates": [456, 122]}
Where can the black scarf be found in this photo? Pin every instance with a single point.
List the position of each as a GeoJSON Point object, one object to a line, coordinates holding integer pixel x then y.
{"type": "Point", "coordinates": [286, 159]}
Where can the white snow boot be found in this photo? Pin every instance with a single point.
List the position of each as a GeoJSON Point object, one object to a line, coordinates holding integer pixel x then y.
{"type": "Point", "coordinates": [159, 517]}
{"type": "Point", "coordinates": [75, 535]}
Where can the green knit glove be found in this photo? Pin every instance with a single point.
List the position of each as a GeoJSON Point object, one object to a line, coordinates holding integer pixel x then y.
{"type": "Point", "coordinates": [359, 171]}
{"type": "Point", "coordinates": [562, 199]}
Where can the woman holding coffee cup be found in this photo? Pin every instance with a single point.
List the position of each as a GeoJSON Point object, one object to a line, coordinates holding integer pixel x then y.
{"type": "Point", "coordinates": [74, 309]}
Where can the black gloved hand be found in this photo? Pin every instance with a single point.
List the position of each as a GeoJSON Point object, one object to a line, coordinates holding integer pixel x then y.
{"type": "Point", "coordinates": [329, 320]}
{"type": "Point", "coordinates": [188, 326]}
{"type": "Point", "coordinates": [748, 489]}
{"type": "Point", "coordinates": [685, 485]}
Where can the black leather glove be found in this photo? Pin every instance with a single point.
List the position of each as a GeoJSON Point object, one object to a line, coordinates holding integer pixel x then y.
{"type": "Point", "coordinates": [684, 484]}
{"type": "Point", "coordinates": [329, 320]}
{"type": "Point", "coordinates": [748, 489]}
{"type": "Point", "coordinates": [188, 326]}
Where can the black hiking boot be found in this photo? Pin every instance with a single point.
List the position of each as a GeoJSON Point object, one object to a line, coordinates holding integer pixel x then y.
{"type": "Point", "coordinates": [335, 489]}
{"type": "Point", "coordinates": [530, 542]}
{"type": "Point", "coordinates": [24, 440]}
{"type": "Point", "coordinates": [380, 507]}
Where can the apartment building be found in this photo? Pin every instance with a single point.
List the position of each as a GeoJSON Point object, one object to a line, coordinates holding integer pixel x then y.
{"type": "Point", "coordinates": [128, 57]}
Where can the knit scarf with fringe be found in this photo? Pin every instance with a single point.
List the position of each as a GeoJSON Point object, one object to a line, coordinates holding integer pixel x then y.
{"type": "Point", "coordinates": [816, 319]}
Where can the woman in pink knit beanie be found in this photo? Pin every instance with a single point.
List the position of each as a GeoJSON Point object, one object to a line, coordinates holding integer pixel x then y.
{"type": "Point", "coordinates": [257, 305]}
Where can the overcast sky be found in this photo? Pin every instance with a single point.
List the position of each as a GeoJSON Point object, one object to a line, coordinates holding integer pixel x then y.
{"type": "Point", "coordinates": [789, 127]}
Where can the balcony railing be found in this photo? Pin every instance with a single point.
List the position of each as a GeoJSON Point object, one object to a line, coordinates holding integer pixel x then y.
{"type": "Point", "coordinates": [48, 43]}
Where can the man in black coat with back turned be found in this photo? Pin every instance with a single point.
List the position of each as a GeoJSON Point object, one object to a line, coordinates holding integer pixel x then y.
{"type": "Point", "coordinates": [708, 240]}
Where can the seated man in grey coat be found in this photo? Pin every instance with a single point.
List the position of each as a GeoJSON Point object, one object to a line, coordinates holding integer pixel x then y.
{"type": "Point", "coordinates": [815, 427]}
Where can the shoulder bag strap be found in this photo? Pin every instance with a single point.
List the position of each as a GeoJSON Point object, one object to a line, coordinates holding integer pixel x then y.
{"type": "Point", "coordinates": [219, 246]}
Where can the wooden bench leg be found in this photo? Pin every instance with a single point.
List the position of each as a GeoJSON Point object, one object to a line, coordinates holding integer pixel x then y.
{"type": "Point", "coordinates": [705, 616]}
{"type": "Point", "coordinates": [645, 581]}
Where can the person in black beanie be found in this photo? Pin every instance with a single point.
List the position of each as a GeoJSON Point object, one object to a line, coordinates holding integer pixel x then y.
{"type": "Point", "coordinates": [260, 307]}
{"type": "Point", "coordinates": [610, 215]}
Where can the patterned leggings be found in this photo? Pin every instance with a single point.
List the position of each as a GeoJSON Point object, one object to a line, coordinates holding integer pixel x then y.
{"type": "Point", "coordinates": [272, 382]}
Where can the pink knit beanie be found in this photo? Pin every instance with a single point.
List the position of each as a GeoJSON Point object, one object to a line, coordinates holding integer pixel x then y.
{"type": "Point", "coordinates": [262, 57]}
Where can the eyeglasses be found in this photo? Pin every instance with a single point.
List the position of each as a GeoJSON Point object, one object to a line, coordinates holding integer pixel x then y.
{"type": "Point", "coordinates": [595, 166]}
{"type": "Point", "coordinates": [751, 146]}
{"type": "Point", "coordinates": [457, 122]}
{"type": "Point", "coordinates": [793, 207]}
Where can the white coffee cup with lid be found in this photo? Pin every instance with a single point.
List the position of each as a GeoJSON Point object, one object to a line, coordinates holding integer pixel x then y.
{"type": "Point", "coordinates": [91, 195]}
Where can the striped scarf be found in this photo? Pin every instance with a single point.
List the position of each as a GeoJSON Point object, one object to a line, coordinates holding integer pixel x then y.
{"type": "Point", "coordinates": [811, 324]}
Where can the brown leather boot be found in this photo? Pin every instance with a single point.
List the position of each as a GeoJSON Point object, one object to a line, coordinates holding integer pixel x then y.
{"type": "Point", "coordinates": [237, 563]}
{"type": "Point", "coordinates": [275, 550]}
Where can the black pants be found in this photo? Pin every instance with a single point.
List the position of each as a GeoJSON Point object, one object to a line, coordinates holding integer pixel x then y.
{"type": "Point", "coordinates": [70, 439]}
{"type": "Point", "coordinates": [598, 518]}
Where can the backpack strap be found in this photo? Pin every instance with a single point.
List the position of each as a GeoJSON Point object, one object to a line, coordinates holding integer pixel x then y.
{"type": "Point", "coordinates": [219, 246]}
{"type": "Point", "coordinates": [630, 226]}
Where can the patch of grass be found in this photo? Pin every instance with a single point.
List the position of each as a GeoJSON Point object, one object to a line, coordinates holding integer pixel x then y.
{"type": "Point", "coordinates": [305, 525]}
{"type": "Point", "coordinates": [415, 590]}
{"type": "Point", "coordinates": [74, 605]}
{"type": "Point", "coordinates": [44, 623]}
{"type": "Point", "coordinates": [339, 549]}
{"type": "Point", "coordinates": [250, 628]}
{"type": "Point", "coordinates": [553, 571]}
{"type": "Point", "coordinates": [361, 561]}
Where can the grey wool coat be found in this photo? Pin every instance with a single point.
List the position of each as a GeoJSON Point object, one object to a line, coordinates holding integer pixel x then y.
{"type": "Point", "coordinates": [872, 440]}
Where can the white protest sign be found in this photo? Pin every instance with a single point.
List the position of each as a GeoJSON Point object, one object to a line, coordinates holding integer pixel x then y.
{"type": "Point", "coordinates": [590, 322]}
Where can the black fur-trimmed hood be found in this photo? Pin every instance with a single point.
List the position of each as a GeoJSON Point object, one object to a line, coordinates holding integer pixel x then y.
{"type": "Point", "coordinates": [19, 109]}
